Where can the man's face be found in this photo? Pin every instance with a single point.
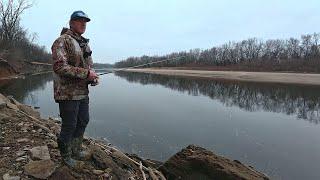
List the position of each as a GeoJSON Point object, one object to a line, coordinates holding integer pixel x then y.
{"type": "Point", "coordinates": [79, 25]}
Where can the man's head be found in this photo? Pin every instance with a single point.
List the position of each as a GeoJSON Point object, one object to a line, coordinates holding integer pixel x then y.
{"type": "Point", "coordinates": [78, 21]}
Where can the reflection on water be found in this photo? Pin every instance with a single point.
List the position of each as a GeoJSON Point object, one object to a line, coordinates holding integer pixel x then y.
{"type": "Point", "coordinates": [21, 88]}
{"type": "Point", "coordinates": [301, 101]}
{"type": "Point", "coordinates": [35, 90]}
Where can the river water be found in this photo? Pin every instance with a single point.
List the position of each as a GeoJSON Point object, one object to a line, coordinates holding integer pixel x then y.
{"type": "Point", "coordinates": [272, 127]}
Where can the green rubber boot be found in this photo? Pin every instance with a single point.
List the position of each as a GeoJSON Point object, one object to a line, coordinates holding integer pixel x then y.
{"type": "Point", "coordinates": [77, 151]}
{"type": "Point", "coordinates": [65, 152]}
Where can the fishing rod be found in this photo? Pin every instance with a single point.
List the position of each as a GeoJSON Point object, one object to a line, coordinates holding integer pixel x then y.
{"type": "Point", "coordinates": [141, 65]}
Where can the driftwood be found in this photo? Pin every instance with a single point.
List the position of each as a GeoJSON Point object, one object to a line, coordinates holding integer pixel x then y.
{"type": "Point", "coordinates": [153, 173]}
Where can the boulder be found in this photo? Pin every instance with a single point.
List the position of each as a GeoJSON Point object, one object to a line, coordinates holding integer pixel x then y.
{"type": "Point", "coordinates": [62, 173]}
{"type": "Point", "coordinates": [40, 169]}
{"type": "Point", "coordinates": [40, 153]}
{"type": "Point", "coordinates": [195, 162]}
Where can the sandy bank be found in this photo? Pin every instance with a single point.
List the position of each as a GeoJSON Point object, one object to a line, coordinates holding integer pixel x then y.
{"type": "Point", "coordinates": [268, 77]}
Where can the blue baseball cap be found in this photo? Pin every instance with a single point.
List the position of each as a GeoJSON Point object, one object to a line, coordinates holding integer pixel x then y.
{"type": "Point", "coordinates": [79, 14]}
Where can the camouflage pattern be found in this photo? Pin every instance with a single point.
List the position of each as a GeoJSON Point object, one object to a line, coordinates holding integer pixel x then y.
{"type": "Point", "coordinates": [72, 61]}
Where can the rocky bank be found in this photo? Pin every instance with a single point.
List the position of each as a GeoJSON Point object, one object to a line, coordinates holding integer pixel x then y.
{"type": "Point", "coordinates": [28, 150]}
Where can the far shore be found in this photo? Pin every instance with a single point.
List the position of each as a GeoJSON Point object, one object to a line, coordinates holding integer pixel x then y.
{"type": "Point", "coordinates": [266, 77]}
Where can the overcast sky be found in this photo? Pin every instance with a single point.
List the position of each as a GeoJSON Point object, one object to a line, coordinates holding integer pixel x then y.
{"type": "Point", "coordinates": [123, 28]}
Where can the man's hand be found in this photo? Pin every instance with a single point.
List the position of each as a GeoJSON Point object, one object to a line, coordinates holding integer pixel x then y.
{"type": "Point", "coordinates": [95, 82]}
{"type": "Point", "coordinates": [92, 76]}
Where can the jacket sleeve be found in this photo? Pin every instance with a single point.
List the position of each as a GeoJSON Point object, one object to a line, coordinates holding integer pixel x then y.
{"type": "Point", "coordinates": [60, 62]}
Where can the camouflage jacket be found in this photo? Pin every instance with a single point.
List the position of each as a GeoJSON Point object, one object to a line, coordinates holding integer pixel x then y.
{"type": "Point", "coordinates": [72, 61]}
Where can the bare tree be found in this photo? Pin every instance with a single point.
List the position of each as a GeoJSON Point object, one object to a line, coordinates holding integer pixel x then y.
{"type": "Point", "coordinates": [10, 15]}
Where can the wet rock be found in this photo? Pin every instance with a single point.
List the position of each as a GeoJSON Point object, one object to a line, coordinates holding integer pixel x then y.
{"type": "Point", "coordinates": [8, 177]}
{"type": "Point", "coordinates": [40, 169]}
{"type": "Point", "coordinates": [195, 162]}
{"type": "Point", "coordinates": [62, 173]}
{"type": "Point", "coordinates": [40, 153]}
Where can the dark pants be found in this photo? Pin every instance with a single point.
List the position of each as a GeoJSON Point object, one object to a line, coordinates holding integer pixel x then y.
{"type": "Point", "coordinates": [75, 117]}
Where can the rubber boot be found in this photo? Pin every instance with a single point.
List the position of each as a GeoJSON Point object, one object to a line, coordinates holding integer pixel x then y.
{"type": "Point", "coordinates": [65, 152]}
{"type": "Point", "coordinates": [77, 151]}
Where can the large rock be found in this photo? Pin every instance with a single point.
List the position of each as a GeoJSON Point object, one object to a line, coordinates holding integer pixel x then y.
{"type": "Point", "coordinates": [8, 177]}
{"type": "Point", "coordinates": [195, 162]}
{"type": "Point", "coordinates": [62, 173]}
{"type": "Point", "coordinates": [40, 153]}
{"type": "Point", "coordinates": [40, 169]}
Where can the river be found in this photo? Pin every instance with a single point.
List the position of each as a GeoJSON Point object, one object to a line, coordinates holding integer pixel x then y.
{"type": "Point", "coordinates": [272, 127]}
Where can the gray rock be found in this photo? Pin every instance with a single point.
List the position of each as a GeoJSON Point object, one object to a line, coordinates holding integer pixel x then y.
{"type": "Point", "coordinates": [19, 159]}
{"type": "Point", "coordinates": [12, 106]}
{"type": "Point", "coordinates": [97, 172]}
{"type": "Point", "coordinates": [25, 129]}
{"type": "Point", "coordinates": [40, 153]}
{"type": "Point", "coordinates": [6, 148]}
{"type": "Point", "coordinates": [23, 140]}
{"type": "Point", "coordinates": [20, 153]}
{"type": "Point", "coordinates": [53, 145]}
{"type": "Point", "coordinates": [8, 177]}
{"type": "Point", "coordinates": [40, 169]}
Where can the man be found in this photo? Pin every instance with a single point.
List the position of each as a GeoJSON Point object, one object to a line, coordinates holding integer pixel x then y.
{"type": "Point", "coordinates": [72, 65]}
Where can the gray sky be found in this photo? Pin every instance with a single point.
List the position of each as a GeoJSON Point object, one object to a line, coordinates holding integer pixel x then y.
{"type": "Point", "coordinates": [124, 28]}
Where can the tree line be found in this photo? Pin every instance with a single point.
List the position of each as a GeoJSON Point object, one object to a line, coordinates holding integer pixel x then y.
{"type": "Point", "coordinates": [15, 42]}
{"type": "Point", "coordinates": [293, 54]}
